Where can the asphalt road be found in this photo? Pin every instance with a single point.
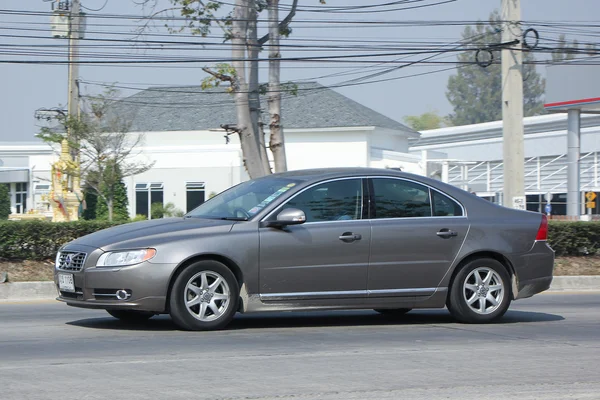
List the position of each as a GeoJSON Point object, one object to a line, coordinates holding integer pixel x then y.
{"type": "Point", "coordinates": [546, 347]}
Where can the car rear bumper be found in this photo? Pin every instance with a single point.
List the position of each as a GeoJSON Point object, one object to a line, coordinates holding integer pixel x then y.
{"type": "Point", "coordinates": [534, 271]}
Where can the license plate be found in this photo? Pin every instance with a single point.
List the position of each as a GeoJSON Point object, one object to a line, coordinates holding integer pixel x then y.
{"type": "Point", "coordinates": [66, 283]}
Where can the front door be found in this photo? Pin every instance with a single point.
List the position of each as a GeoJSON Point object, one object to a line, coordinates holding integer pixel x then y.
{"type": "Point", "coordinates": [416, 234]}
{"type": "Point", "coordinates": [328, 255]}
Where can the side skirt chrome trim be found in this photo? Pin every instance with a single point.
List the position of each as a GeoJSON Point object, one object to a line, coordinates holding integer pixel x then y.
{"type": "Point", "coordinates": [350, 293]}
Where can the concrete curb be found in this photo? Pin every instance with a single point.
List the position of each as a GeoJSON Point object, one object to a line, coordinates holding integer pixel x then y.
{"type": "Point", "coordinates": [579, 282]}
{"type": "Point", "coordinates": [20, 291]}
{"type": "Point", "coordinates": [23, 291]}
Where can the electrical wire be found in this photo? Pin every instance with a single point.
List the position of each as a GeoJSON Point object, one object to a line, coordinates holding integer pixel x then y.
{"type": "Point", "coordinates": [95, 10]}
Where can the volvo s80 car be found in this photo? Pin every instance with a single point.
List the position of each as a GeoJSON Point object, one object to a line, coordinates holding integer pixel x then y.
{"type": "Point", "coordinates": [355, 238]}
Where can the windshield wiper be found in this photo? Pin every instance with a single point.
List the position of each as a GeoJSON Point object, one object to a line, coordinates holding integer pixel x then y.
{"type": "Point", "coordinates": [219, 218]}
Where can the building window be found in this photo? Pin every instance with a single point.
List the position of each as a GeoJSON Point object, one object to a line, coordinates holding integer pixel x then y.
{"type": "Point", "coordinates": [42, 188]}
{"type": "Point", "coordinates": [147, 194]}
{"type": "Point", "coordinates": [194, 195]}
{"type": "Point", "coordinates": [21, 198]}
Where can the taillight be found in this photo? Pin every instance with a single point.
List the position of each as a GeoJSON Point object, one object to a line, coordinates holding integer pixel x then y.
{"type": "Point", "coordinates": [543, 230]}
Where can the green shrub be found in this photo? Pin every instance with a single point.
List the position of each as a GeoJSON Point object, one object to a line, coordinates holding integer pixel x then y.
{"type": "Point", "coordinates": [40, 240]}
{"type": "Point", "coordinates": [139, 218]}
{"type": "Point", "coordinates": [574, 238]}
{"type": "Point", "coordinates": [158, 210]}
{"type": "Point", "coordinates": [4, 201]}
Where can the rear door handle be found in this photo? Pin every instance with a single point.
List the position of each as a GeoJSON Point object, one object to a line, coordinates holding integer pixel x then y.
{"type": "Point", "coordinates": [446, 233]}
{"type": "Point", "coordinates": [350, 237]}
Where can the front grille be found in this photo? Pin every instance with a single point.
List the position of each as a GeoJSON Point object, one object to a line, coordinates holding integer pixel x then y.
{"type": "Point", "coordinates": [71, 261]}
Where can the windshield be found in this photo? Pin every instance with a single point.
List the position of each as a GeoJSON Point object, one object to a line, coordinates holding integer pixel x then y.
{"type": "Point", "coordinates": [243, 201]}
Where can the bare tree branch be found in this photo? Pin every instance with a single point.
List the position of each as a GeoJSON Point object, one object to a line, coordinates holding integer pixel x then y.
{"type": "Point", "coordinates": [283, 25]}
{"type": "Point", "coordinates": [221, 77]}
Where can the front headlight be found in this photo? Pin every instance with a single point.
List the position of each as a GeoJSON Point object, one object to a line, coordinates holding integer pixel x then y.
{"type": "Point", "coordinates": [124, 258]}
{"type": "Point", "coordinates": [57, 260]}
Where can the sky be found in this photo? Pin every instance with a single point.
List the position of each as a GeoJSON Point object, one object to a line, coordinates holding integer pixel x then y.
{"type": "Point", "coordinates": [26, 88]}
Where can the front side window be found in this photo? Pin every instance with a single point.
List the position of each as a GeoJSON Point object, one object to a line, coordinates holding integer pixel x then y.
{"type": "Point", "coordinates": [397, 198]}
{"type": "Point", "coordinates": [331, 201]}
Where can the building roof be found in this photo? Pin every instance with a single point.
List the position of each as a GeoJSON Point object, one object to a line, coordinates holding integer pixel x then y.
{"type": "Point", "coordinates": [489, 130]}
{"type": "Point", "coordinates": [189, 108]}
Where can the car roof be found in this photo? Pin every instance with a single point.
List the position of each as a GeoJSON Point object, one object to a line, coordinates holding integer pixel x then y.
{"type": "Point", "coordinates": [327, 173]}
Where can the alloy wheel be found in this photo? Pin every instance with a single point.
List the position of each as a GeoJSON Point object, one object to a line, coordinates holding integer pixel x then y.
{"type": "Point", "coordinates": [207, 296]}
{"type": "Point", "coordinates": [483, 290]}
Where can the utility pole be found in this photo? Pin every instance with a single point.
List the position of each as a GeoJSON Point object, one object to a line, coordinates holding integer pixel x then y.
{"type": "Point", "coordinates": [512, 105]}
{"type": "Point", "coordinates": [74, 35]}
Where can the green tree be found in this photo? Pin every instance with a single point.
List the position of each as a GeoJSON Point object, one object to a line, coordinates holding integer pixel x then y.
{"type": "Point", "coordinates": [120, 204]}
{"type": "Point", "coordinates": [4, 201]}
{"type": "Point", "coordinates": [475, 92]}
{"type": "Point", "coordinates": [91, 203]}
{"type": "Point", "coordinates": [106, 148]}
{"type": "Point", "coordinates": [564, 50]}
{"type": "Point", "coordinates": [425, 121]}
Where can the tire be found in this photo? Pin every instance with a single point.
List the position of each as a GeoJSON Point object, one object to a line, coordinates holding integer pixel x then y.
{"type": "Point", "coordinates": [393, 312]}
{"type": "Point", "coordinates": [475, 301]}
{"type": "Point", "coordinates": [130, 315]}
{"type": "Point", "coordinates": [204, 297]}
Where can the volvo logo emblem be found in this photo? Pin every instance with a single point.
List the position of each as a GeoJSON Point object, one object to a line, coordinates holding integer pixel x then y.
{"type": "Point", "coordinates": [68, 259]}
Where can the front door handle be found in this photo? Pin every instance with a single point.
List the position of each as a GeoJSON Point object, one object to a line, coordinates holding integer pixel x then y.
{"type": "Point", "coordinates": [446, 233]}
{"type": "Point", "coordinates": [349, 237]}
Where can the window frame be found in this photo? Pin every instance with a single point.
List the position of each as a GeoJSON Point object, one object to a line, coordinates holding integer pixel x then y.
{"type": "Point", "coordinates": [21, 192]}
{"type": "Point", "coordinates": [364, 214]}
{"type": "Point", "coordinates": [431, 189]}
{"type": "Point", "coordinates": [148, 188]}
{"type": "Point", "coordinates": [194, 186]}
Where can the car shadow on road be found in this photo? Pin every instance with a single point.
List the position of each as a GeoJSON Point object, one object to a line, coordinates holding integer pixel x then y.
{"type": "Point", "coordinates": [315, 319]}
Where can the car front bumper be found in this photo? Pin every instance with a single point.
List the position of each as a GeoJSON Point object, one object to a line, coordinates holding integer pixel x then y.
{"type": "Point", "coordinates": [146, 285]}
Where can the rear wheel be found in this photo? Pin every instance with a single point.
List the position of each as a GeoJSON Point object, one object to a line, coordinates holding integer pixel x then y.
{"type": "Point", "coordinates": [204, 296]}
{"type": "Point", "coordinates": [130, 315]}
{"type": "Point", "coordinates": [393, 312]}
{"type": "Point", "coordinates": [480, 292]}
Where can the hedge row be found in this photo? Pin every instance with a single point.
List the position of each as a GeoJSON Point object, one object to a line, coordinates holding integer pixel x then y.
{"type": "Point", "coordinates": [39, 240]}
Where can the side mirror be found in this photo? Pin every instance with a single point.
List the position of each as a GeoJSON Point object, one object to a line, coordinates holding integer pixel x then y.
{"type": "Point", "coordinates": [289, 216]}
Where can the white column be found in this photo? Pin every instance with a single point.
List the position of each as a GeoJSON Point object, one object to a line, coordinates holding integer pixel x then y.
{"type": "Point", "coordinates": [573, 153]}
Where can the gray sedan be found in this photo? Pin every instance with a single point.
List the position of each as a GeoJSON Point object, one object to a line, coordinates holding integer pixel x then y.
{"type": "Point", "coordinates": [314, 240]}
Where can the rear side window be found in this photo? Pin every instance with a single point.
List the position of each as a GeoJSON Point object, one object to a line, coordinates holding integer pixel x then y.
{"type": "Point", "coordinates": [396, 198]}
{"type": "Point", "coordinates": [444, 206]}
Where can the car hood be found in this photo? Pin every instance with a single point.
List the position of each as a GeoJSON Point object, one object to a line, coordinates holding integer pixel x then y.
{"type": "Point", "coordinates": [153, 231]}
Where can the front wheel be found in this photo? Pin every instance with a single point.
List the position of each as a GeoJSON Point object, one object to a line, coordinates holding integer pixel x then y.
{"type": "Point", "coordinates": [480, 292]}
{"type": "Point", "coordinates": [204, 296]}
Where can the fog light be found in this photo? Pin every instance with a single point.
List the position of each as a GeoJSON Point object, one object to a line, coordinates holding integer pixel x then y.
{"type": "Point", "coordinates": [122, 294]}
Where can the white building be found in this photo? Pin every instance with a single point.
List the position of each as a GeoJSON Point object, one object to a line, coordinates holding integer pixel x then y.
{"type": "Point", "coordinates": [193, 158]}
{"type": "Point", "coordinates": [471, 157]}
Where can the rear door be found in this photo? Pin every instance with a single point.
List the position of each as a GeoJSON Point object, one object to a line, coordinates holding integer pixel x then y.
{"type": "Point", "coordinates": [416, 234]}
